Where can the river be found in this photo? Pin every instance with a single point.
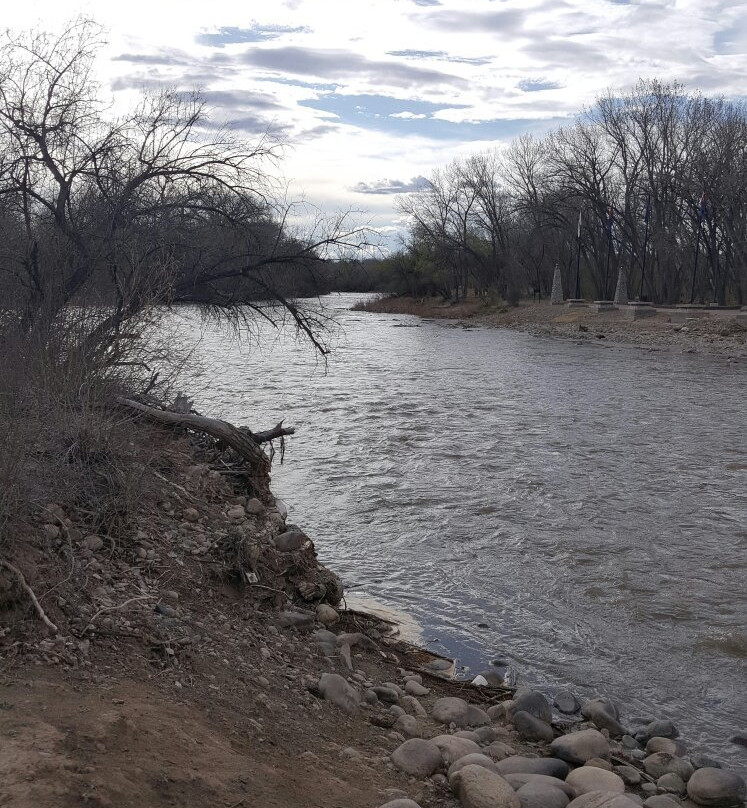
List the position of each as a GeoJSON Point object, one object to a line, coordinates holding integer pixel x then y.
{"type": "Point", "coordinates": [577, 510]}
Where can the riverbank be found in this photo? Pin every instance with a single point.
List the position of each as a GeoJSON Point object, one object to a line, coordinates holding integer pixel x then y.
{"type": "Point", "coordinates": [194, 656]}
{"type": "Point", "coordinates": [721, 333]}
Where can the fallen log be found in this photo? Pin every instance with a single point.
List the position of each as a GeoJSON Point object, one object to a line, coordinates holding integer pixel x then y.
{"type": "Point", "coordinates": [244, 442]}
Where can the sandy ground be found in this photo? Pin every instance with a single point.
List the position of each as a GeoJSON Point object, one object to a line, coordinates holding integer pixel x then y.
{"type": "Point", "coordinates": [721, 333]}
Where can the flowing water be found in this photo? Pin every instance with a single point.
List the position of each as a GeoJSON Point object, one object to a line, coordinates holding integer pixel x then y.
{"type": "Point", "coordinates": [577, 510]}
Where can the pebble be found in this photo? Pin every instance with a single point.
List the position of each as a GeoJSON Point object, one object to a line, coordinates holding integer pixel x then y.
{"type": "Point", "coordinates": [478, 787]}
{"type": "Point", "coordinates": [716, 788]}
{"type": "Point", "coordinates": [236, 512]}
{"type": "Point", "coordinates": [578, 747]}
{"type": "Point", "coordinates": [191, 514]}
{"type": "Point", "coordinates": [417, 757]}
{"type": "Point", "coordinates": [93, 542]}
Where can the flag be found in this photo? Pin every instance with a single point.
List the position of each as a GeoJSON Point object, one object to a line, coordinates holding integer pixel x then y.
{"type": "Point", "coordinates": [702, 210]}
{"type": "Point", "coordinates": [578, 231]}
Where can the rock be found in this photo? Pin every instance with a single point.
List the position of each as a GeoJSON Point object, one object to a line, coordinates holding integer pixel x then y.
{"type": "Point", "coordinates": [236, 512]}
{"type": "Point", "coordinates": [417, 757]}
{"type": "Point", "coordinates": [531, 728]}
{"type": "Point", "coordinates": [566, 702]}
{"type": "Point", "coordinates": [704, 762]}
{"type": "Point", "coordinates": [478, 787]}
{"type": "Point", "coordinates": [629, 742]}
{"type": "Point", "coordinates": [517, 781]}
{"type": "Point", "coordinates": [474, 759]}
{"type": "Point", "coordinates": [518, 764]}
{"type": "Point", "coordinates": [716, 787]}
{"type": "Point", "coordinates": [326, 615]}
{"type": "Point", "coordinates": [453, 748]}
{"type": "Point", "coordinates": [493, 678]}
{"type": "Point", "coordinates": [414, 688]}
{"type": "Point", "coordinates": [479, 681]}
{"type": "Point", "coordinates": [498, 750]}
{"type": "Point", "coordinates": [661, 763]}
{"type": "Point", "coordinates": [165, 610]}
{"type": "Point", "coordinates": [290, 540]}
{"type": "Point", "coordinates": [396, 710]}
{"type": "Point", "coordinates": [334, 688]}
{"type": "Point", "coordinates": [497, 711]}
{"type": "Point", "coordinates": [190, 514]}
{"type": "Point", "coordinates": [413, 706]}
{"type": "Point", "coordinates": [599, 763]}
{"type": "Point", "coordinates": [578, 747]}
{"type": "Point", "coordinates": [254, 507]}
{"type": "Point", "coordinates": [534, 703]}
{"type": "Point", "coordinates": [51, 532]}
{"type": "Point", "coordinates": [408, 726]}
{"type": "Point", "coordinates": [93, 542]}
{"type": "Point", "coordinates": [295, 619]}
{"type": "Point", "coordinates": [668, 745]}
{"type": "Point", "coordinates": [386, 694]}
{"type": "Point", "coordinates": [586, 779]}
{"type": "Point", "coordinates": [661, 801]}
{"type": "Point", "coordinates": [602, 799]}
{"type": "Point", "coordinates": [603, 714]}
{"type": "Point", "coordinates": [539, 795]}
{"type": "Point", "coordinates": [469, 734]}
{"type": "Point", "coordinates": [485, 735]}
{"type": "Point", "coordinates": [628, 774]}
{"type": "Point", "coordinates": [662, 728]}
{"type": "Point", "coordinates": [453, 710]}
{"type": "Point", "coordinates": [396, 688]}
{"type": "Point", "coordinates": [403, 803]}
{"type": "Point", "coordinates": [739, 738]}
{"type": "Point", "coordinates": [671, 784]}
{"type": "Point", "coordinates": [649, 789]}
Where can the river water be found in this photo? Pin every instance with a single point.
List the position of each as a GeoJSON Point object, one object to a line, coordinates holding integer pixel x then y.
{"type": "Point", "coordinates": [578, 510]}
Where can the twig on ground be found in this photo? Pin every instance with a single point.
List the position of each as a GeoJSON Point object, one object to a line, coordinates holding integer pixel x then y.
{"type": "Point", "coordinates": [114, 608]}
{"type": "Point", "coordinates": [30, 592]}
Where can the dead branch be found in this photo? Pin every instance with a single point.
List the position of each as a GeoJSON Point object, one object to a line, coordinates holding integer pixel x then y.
{"type": "Point", "coordinates": [115, 608]}
{"type": "Point", "coordinates": [30, 592]}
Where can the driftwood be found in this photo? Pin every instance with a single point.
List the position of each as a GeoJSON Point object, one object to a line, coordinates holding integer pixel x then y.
{"type": "Point", "coordinates": [245, 443]}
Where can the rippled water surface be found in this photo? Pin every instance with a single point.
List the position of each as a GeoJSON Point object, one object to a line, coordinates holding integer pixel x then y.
{"type": "Point", "coordinates": [579, 510]}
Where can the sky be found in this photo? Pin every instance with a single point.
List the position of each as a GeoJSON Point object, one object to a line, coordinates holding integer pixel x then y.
{"type": "Point", "coordinates": [371, 97]}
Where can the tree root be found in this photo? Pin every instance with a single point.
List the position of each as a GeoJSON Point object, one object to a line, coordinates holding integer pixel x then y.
{"type": "Point", "coordinates": [30, 592]}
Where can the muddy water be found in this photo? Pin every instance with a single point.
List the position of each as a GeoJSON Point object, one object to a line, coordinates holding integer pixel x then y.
{"type": "Point", "coordinates": [577, 510]}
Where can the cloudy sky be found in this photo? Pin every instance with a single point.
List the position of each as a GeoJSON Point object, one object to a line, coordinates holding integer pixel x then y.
{"type": "Point", "coordinates": [371, 96]}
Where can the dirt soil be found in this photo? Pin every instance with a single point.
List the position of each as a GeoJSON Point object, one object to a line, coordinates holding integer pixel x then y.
{"type": "Point", "coordinates": [174, 677]}
{"type": "Point", "coordinates": [721, 333]}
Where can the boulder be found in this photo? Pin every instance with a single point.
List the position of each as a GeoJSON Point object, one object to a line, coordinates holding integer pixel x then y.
{"type": "Point", "coordinates": [518, 764]}
{"type": "Point", "coordinates": [716, 788]}
{"type": "Point", "coordinates": [417, 757]}
{"type": "Point", "coordinates": [578, 747]}
{"type": "Point", "coordinates": [478, 787]}
{"type": "Point", "coordinates": [603, 714]}
{"type": "Point", "coordinates": [590, 778]}
{"type": "Point", "coordinates": [290, 540]}
{"type": "Point", "coordinates": [453, 748]}
{"type": "Point", "coordinates": [453, 710]}
{"type": "Point", "coordinates": [671, 783]}
{"type": "Point", "coordinates": [539, 795]}
{"type": "Point", "coordinates": [334, 688]}
{"type": "Point", "coordinates": [531, 728]}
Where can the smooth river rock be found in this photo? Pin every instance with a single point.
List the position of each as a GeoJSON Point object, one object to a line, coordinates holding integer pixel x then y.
{"type": "Point", "coordinates": [590, 778]}
{"type": "Point", "coordinates": [474, 759]}
{"type": "Point", "coordinates": [517, 781]}
{"type": "Point", "coordinates": [566, 702]}
{"type": "Point", "coordinates": [661, 763]}
{"type": "Point", "coordinates": [334, 688]}
{"type": "Point", "coordinates": [668, 745]}
{"type": "Point", "coordinates": [414, 688]}
{"type": "Point", "coordinates": [534, 703]}
{"type": "Point", "coordinates": [531, 728]}
{"type": "Point", "coordinates": [578, 747]}
{"type": "Point", "coordinates": [603, 714]}
{"type": "Point", "coordinates": [716, 787]}
{"type": "Point", "coordinates": [477, 787]}
{"type": "Point", "coordinates": [453, 710]}
{"type": "Point", "coordinates": [408, 726]}
{"type": "Point", "coordinates": [603, 799]}
{"type": "Point", "coordinates": [539, 795]}
{"type": "Point", "coordinates": [417, 757]}
{"type": "Point", "coordinates": [518, 764]}
{"type": "Point", "coordinates": [400, 804]}
{"type": "Point", "coordinates": [453, 748]}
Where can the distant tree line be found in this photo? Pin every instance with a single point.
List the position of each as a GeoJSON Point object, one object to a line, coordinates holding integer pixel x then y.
{"type": "Point", "coordinates": [642, 181]}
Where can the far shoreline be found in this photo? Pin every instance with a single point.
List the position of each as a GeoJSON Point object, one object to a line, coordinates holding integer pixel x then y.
{"type": "Point", "coordinates": [719, 333]}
